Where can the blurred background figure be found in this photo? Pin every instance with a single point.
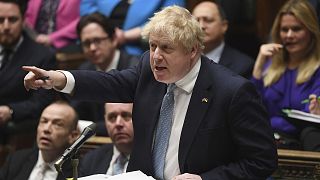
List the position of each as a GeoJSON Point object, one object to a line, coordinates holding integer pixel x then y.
{"type": "Point", "coordinates": [53, 21]}
{"type": "Point", "coordinates": [99, 44]}
{"type": "Point", "coordinates": [287, 70]}
{"type": "Point", "coordinates": [18, 107]}
{"type": "Point", "coordinates": [57, 130]}
{"type": "Point", "coordinates": [112, 159]}
{"type": "Point", "coordinates": [129, 16]}
{"type": "Point", "coordinates": [213, 21]}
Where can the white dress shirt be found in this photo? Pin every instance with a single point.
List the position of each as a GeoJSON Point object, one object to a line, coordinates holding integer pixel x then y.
{"type": "Point", "coordinates": [114, 63]}
{"type": "Point", "coordinates": [215, 54]}
{"type": "Point", "coordinates": [182, 96]}
{"type": "Point", "coordinates": [50, 173]}
{"type": "Point", "coordinates": [115, 155]}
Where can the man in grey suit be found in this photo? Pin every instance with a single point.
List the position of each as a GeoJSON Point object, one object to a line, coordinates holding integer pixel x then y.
{"type": "Point", "coordinates": [99, 45]}
{"type": "Point", "coordinates": [212, 19]}
{"type": "Point", "coordinates": [217, 126]}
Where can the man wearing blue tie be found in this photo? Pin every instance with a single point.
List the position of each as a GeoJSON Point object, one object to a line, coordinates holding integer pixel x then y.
{"type": "Point", "coordinates": [112, 159]}
{"type": "Point", "coordinates": [218, 127]}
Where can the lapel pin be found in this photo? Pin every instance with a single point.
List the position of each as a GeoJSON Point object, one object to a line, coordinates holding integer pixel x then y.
{"type": "Point", "coordinates": [205, 100]}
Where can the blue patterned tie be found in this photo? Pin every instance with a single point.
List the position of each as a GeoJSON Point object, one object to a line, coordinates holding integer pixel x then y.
{"type": "Point", "coordinates": [163, 132]}
{"type": "Point", "coordinates": [118, 166]}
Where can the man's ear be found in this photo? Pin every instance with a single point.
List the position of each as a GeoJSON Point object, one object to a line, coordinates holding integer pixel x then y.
{"type": "Point", "coordinates": [114, 41]}
{"type": "Point", "coordinates": [194, 51]}
{"type": "Point", "coordinates": [225, 25]}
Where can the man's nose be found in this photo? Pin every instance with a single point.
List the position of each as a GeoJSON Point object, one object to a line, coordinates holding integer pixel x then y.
{"type": "Point", "coordinates": [157, 54]}
{"type": "Point", "coordinates": [47, 127]}
{"type": "Point", "coordinates": [202, 24]}
{"type": "Point", "coordinates": [6, 24]}
{"type": "Point", "coordinates": [119, 120]}
{"type": "Point", "coordinates": [92, 46]}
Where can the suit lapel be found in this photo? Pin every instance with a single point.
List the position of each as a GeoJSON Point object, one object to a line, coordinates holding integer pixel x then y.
{"type": "Point", "coordinates": [27, 168]}
{"type": "Point", "coordinates": [107, 159]}
{"type": "Point", "coordinates": [224, 59]}
{"type": "Point", "coordinates": [197, 109]}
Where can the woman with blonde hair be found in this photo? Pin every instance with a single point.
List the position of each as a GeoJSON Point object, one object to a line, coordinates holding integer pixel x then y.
{"type": "Point", "coordinates": [287, 70]}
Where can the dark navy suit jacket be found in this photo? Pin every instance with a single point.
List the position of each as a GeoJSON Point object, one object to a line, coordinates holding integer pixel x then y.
{"type": "Point", "coordinates": [226, 137]}
{"type": "Point", "coordinates": [25, 104]}
{"type": "Point", "coordinates": [237, 61]}
{"type": "Point", "coordinates": [20, 164]}
{"type": "Point", "coordinates": [94, 111]}
{"type": "Point", "coordinates": [96, 161]}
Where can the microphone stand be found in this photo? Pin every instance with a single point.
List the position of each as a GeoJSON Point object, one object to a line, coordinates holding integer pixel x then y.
{"type": "Point", "coordinates": [74, 164]}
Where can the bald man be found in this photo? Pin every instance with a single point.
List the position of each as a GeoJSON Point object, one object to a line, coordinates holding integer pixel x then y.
{"type": "Point", "coordinates": [213, 21]}
{"type": "Point", "coordinates": [57, 130]}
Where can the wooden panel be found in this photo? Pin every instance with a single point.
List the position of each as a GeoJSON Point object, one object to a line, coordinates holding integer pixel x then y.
{"type": "Point", "coordinates": [93, 143]}
{"type": "Point", "coordinates": [294, 164]}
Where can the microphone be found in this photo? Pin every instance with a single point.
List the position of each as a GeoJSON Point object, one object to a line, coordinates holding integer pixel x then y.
{"type": "Point", "coordinates": [86, 134]}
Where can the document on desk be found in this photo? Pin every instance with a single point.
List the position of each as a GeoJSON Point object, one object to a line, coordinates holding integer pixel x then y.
{"type": "Point", "coordinates": [134, 175]}
{"type": "Point", "coordinates": [296, 114]}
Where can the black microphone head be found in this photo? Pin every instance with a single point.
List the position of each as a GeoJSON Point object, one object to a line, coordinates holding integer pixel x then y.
{"type": "Point", "coordinates": [92, 126]}
{"type": "Point", "coordinates": [90, 130]}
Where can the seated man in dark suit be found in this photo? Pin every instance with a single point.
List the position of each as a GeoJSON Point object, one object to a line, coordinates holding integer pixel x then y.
{"type": "Point", "coordinates": [99, 45]}
{"type": "Point", "coordinates": [212, 19]}
{"type": "Point", "coordinates": [57, 130]}
{"type": "Point", "coordinates": [16, 50]}
{"type": "Point", "coordinates": [112, 159]}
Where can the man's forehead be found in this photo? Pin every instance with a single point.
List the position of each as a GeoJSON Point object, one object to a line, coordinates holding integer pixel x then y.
{"type": "Point", "coordinates": [162, 39]}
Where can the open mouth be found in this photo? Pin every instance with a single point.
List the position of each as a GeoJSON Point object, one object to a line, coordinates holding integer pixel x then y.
{"type": "Point", "coordinates": [158, 68]}
{"type": "Point", "coordinates": [45, 140]}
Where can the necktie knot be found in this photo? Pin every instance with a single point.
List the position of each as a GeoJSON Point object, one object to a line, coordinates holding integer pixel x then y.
{"type": "Point", "coordinates": [119, 164]}
{"type": "Point", "coordinates": [42, 170]}
{"type": "Point", "coordinates": [122, 159]}
{"type": "Point", "coordinates": [171, 88]}
{"type": "Point", "coordinates": [6, 52]}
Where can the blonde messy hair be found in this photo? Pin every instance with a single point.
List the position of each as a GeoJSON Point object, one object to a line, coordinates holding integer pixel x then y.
{"type": "Point", "coordinates": [305, 13]}
{"type": "Point", "coordinates": [178, 25]}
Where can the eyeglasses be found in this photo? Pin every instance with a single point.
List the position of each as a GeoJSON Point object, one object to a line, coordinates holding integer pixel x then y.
{"type": "Point", "coordinates": [96, 41]}
{"type": "Point", "coordinates": [11, 19]}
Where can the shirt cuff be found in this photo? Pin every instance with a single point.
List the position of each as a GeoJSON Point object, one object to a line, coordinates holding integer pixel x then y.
{"type": "Point", "coordinates": [70, 82]}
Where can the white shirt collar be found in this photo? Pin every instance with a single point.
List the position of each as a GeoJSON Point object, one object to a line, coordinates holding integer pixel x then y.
{"type": "Point", "coordinates": [188, 81]}
{"type": "Point", "coordinates": [114, 63]}
{"type": "Point", "coordinates": [215, 53]}
{"type": "Point", "coordinates": [41, 161]}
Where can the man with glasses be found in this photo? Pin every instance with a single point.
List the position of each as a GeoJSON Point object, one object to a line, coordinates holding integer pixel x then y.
{"type": "Point", "coordinates": [112, 159]}
{"type": "Point", "coordinates": [99, 45]}
{"type": "Point", "coordinates": [16, 50]}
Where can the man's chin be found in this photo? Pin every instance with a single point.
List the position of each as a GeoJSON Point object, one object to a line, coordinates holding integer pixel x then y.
{"type": "Point", "coordinates": [7, 43]}
{"type": "Point", "coordinates": [45, 148]}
